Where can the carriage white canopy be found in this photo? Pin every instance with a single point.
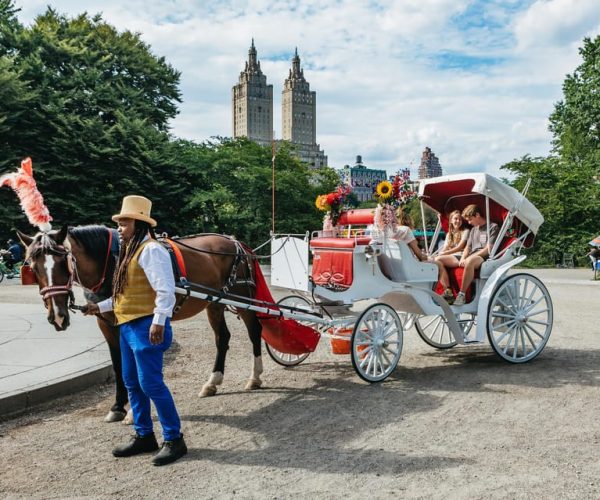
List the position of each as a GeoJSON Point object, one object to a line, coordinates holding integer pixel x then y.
{"type": "Point", "coordinates": [436, 191]}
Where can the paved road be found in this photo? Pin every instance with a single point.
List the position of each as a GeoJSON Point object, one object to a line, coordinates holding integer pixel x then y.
{"type": "Point", "coordinates": [38, 363]}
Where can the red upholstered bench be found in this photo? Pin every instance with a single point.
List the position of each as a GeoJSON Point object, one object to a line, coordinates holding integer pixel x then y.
{"type": "Point", "coordinates": [341, 243]}
{"type": "Point", "coordinates": [332, 261]}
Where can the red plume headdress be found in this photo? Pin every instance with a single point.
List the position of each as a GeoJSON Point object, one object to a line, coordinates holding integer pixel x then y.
{"type": "Point", "coordinates": [32, 201]}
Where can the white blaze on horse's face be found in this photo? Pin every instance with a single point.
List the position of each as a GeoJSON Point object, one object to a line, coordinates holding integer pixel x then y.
{"type": "Point", "coordinates": [50, 257]}
{"type": "Point", "coordinates": [49, 267]}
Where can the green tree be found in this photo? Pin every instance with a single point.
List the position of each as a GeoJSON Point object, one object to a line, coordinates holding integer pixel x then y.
{"type": "Point", "coordinates": [234, 183]}
{"type": "Point", "coordinates": [565, 186]}
{"type": "Point", "coordinates": [91, 106]}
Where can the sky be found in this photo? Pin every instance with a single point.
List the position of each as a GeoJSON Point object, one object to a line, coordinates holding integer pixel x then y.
{"type": "Point", "coordinates": [473, 80]}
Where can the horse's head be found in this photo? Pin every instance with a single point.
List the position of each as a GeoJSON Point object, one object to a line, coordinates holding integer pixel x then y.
{"type": "Point", "coordinates": [52, 262]}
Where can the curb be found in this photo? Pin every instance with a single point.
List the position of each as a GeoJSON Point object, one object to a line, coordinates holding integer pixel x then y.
{"type": "Point", "coordinates": [18, 402]}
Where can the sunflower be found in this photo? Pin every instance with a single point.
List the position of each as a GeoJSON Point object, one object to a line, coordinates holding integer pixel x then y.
{"type": "Point", "coordinates": [321, 203]}
{"type": "Point", "coordinates": [384, 190]}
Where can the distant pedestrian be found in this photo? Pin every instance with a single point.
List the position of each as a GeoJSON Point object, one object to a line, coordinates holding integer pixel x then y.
{"type": "Point", "coordinates": [142, 300]}
{"type": "Point", "coordinates": [13, 255]}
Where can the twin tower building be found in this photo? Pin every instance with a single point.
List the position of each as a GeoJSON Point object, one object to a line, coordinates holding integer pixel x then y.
{"type": "Point", "coordinates": [252, 106]}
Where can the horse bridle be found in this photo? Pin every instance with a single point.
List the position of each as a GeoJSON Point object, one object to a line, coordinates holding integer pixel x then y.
{"type": "Point", "coordinates": [67, 289]}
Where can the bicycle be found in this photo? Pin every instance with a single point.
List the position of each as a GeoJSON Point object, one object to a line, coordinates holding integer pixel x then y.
{"type": "Point", "coordinates": [9, 273]}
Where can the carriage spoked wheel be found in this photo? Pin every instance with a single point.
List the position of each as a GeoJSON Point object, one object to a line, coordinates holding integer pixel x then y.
{"type": "Point", "coordinates": [283, 358]}
{"type": "Point", "coordinates": [376, 343]}
{"type": "Point", "coordinates": [434, 330]}
{"type": "Point", "coordinates": [520, 318]}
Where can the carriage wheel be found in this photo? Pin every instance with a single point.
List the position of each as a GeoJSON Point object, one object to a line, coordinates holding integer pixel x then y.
{"type": "Point", "coordinates": [520, 318]}
{"type": "Point", "coordinates": [283, 358]}
{"type": "Point", "coordinates": [434, 330]}
{"type": "Point", "coordinates": [376, 343]}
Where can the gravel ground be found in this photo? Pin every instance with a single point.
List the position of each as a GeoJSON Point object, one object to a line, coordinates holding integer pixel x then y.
{"type": "Point", "coordinates": [454, 424]}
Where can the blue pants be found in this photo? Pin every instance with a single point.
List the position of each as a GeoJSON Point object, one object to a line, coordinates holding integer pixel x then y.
{"type": "Point", "coordinates": [143, 377]}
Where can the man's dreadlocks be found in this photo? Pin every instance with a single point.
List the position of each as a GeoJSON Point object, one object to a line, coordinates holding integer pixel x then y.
{"type": "Point", "coordinates": [126, 252]}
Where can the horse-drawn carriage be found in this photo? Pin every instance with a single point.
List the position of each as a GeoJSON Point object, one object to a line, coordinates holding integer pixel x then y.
{"type": "Point", "coordinates": [376, 288]}
{"type": "Point", "coordinates": [363, 291]}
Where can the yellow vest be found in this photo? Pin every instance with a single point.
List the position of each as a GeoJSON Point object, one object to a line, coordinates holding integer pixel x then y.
{"type": "Point", "coordinates": [138, 297]}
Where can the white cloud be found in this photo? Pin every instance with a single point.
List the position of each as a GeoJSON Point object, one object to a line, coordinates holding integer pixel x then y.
{"type": "Point", "coordinates": [473, 79]}
{"type": "Point", "coordinates": [556, 23]}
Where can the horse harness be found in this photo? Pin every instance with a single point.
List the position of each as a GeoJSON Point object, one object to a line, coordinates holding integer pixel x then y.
{"type": "Point", "coordinates": [240, 257]}
{"type": "Point", "coordinates": [48, 292]}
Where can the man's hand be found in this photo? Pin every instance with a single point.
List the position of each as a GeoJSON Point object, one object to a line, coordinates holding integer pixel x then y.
{"type": "Point", "coordinates": [90, 309]}
{"type": "Point", "coordinates": [156, 333]}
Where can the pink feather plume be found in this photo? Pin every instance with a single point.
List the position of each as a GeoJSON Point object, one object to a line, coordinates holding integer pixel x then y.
{"type": "Point", "coordinates": [32, 201]}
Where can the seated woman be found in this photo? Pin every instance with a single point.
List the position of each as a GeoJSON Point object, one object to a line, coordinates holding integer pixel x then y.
{"type": "Point", "coordinates": [403, 232]}
{"type": "Point", "coordinates": [449, 256]}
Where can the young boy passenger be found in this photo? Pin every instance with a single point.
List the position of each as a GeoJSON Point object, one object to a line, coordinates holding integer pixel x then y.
{"type": "Point", "coordinates": [478, 247]}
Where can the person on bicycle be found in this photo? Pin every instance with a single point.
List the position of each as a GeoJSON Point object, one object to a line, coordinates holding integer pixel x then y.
{"type": "Point", "coordinates": [14, 254]}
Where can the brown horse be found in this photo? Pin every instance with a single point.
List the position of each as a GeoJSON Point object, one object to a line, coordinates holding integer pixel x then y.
{"type": "Point", "coordinates": [83, 255]}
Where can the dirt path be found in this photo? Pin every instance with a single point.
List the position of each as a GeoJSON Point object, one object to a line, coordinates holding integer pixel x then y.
{"type": "Point", "coordinates": [459, 423]}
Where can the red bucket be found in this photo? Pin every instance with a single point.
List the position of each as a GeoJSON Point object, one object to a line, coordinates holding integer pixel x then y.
{"type": "Point", "coordinates": [340, 346]}
{"type": "Point", "coordinates": [27, 275]}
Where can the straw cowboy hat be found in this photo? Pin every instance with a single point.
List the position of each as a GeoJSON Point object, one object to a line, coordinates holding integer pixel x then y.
{"type": "Point", "coordinates": [136, 207]}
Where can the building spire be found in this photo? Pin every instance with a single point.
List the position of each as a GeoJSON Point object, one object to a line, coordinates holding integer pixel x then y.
{"type": "Point", "coordinates": [296, 72]}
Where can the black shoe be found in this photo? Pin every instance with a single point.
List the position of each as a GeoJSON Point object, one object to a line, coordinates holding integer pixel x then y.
{"type": "Point", "coordinates": [138, 444]}
{"type": "Point", "coordinates": [170, 451]}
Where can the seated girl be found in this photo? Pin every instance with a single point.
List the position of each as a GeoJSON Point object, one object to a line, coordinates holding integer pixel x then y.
{"type": "Point", "coordinates": [403, 232]}
{"type": "Point", "coordinates": [449, 256]}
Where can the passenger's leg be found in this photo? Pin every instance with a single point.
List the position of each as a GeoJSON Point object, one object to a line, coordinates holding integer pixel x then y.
{"type": "Point", "coordinates": [473, 263]}
{"type": "Point", "coordinates": [443, 262]}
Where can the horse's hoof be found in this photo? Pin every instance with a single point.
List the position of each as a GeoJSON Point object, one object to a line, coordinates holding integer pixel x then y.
{"type": "Point", "coordinates": [253, 384]}
{"type": "Point", "coordinates": [115, 416]}
{"type": "Point", "coordinates": [128, 420]}
{"type": "Point", "coordinates": [208, 390]}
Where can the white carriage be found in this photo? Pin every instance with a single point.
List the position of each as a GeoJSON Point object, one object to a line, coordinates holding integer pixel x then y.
{"type": "Point", "coordinates": [376, 288]}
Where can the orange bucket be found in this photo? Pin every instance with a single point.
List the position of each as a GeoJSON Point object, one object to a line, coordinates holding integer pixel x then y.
{"type": "Point", "coordinates": [340, 346]}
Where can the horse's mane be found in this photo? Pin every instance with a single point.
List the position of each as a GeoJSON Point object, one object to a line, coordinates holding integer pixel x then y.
{"type": "Point", "coordinates": [93, 239]}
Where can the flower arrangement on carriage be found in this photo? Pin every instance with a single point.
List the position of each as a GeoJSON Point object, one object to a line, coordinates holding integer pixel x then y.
{"type": "Point", "coordinates": [391, 196]}
{"type": "Point", "coordinates": [332, 204]}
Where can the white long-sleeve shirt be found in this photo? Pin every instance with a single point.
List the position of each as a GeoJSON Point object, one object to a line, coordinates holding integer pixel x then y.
{"type": "Point", "coordinates": [156, 263]}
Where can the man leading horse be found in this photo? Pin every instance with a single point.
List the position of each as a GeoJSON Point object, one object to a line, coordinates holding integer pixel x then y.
{"type": "Point", "coordinates": [142, 301]}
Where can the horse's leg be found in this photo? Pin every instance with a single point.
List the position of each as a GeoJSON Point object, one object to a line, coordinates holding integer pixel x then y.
{"type": "Point", "coordinates": [111, 334]}
{"type": "Point", "coordinates": [254, 332]}
{"type": "Point", "coordinates": [216, 318]}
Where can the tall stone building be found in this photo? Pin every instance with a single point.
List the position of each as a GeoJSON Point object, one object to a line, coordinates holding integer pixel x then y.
{"type": "Point", "coordinates": [430, 165]}
{"type": "Point", "coordinates": [299, 116]}
{"type": "Point", "coordinates": [252, 101]}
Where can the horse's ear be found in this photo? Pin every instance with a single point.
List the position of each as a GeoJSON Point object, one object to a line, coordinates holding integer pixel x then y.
{"type": "Point", "coordinates": [26, 240]}
{"type": "Point", "coordinates": [61, 235]}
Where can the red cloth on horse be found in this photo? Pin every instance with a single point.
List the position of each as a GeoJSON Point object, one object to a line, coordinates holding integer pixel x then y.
{"type": "Point", "coordinates": [285, 335]}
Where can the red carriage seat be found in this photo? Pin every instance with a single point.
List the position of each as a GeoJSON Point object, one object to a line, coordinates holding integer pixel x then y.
{"type": "Point", "coordinates": [332, 257]}
{"type": "Point", "coordinates": [332, 260]}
